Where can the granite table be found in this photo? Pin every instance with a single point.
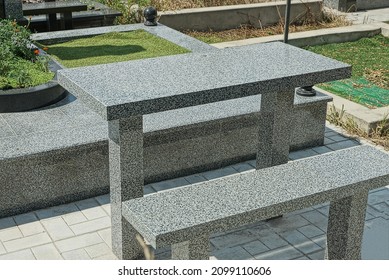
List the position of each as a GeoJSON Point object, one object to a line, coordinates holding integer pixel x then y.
{"type": "Point", "coordinates": [123, 92]}
{"type": "Point", "coordinates": [50, 9]}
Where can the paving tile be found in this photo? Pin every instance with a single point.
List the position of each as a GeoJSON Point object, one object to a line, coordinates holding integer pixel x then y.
{"type": "Point", "coordinates": [316, 218]}
{"type": "Point", "coordinates": [302, 154]}
{"type": "Point", "coordinates": [90, 226]}
{"type": "Point", "coordinates": [273, 241]}
{"type": "Point", "coordinates": [27, 242]}
{"type": "Point", "coordinates": [2, 249]}
{"type": "Point", "coordinates": [25, 218]}
{"type": "Point", "coordinates": [103, 199]}
{"type": "Point", "coordinates": [294, 236]}
{"type": "Point", "coordinates": [331, 133]}
{"type": "Point", "coordinates": [321, 150]}
{"type": "Point", "coordinates": [378, 197]}
{"type": "Point", "coordinates": [342, 145]}
{"type": "Point", "coordinates": [46, 252]}
{"type": "Point", "coordinates": [283, 253]}
{"type": "Point", "coordinates": [214, 174]}
{"type": "Point", "coordinates": [233, 239]}
{"type": "Point", "coordinates": [328, 141]}
{"type": "Point", "coordinates": [242, 167]}
{"type": "Point", "coordinates": [375, 244]}
{"type": "Point", "coordinates": [320, 240]}
{"type": "Point", "coordinates": [252, 162]}
{"type": "Point", "coordinates": [29, 224]}
{"type": "Point", "coordinates": [195, 178]}
{"type": "Point", "coordinates": [10, 233]}
{"type": "Point", "coordinates": [169, 184]}
{"type": "Point", "coordinates": [148, 189]}
{"type": "Point", "coordinates": [79, 254]}
{"type": "Point", "coordinates": [57, 228]}
{"type": "Point", "coordinates": [310, 231]}
{"type": "Point", "coordinates": [105, 234]}
{"type": "Point", "coordinates": [317, 255]}
{"type": "Point", "coordinates": [337, 137]}
{"type": "Point", "coordinates": [303, 258]}
{"type": "Point", "coordinates": [20, 255]}
{"type": "Point", "coordinates": [300, 211]}
{"type": "Point", "coordinates": [98, 250]}
{"type": "Point", "coordinates": [287, 222]}
{"type": "Point", "coordinates": [110, 256]}
{"type": "Point", "coordinates": [255, 247]}
{"type": "Point", "coordinates": [7, 223]}
{"type": "Point", "coordinates": [107, 209]}
{"type": "Point", "coordinates": [91, 209]}
{"type": "Point", "coordinates": [307, 247]}
{"type": "Point", "coordinates": [56, 211]}
{"type": "Point", "coordinates": [234, 253]}
{"type": "Point", "coordinates": [74, 218]}
{"type": "Point", "coordinates": [78, 242]}
{"type": "Point", "coordinates": [324, 210]}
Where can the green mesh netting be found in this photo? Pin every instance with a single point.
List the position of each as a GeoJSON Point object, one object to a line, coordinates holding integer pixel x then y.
{"type": "Point", "coordinates": [359, 90]}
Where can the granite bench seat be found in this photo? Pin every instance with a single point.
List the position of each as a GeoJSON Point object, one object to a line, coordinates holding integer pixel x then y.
{"type": "Point", "coordinates": [185, 217]}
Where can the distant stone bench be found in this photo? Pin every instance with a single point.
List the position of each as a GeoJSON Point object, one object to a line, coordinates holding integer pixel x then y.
{"type": "Point", "coordinates": [187, 216]}
{"type": "Point", "coordinates": [50, 9]}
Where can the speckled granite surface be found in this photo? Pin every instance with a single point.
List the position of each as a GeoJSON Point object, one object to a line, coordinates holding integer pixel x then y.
{"type": "Point", "coordinates": [197, 78]}
{"type": "Point", "coordinates": [245, 198]}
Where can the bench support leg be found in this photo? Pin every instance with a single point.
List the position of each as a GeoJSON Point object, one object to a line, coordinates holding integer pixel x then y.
{"type": "Point", "coordinates": [345, 227]}
{"type": "Point", "coordinates": [66, 21]}
{"type": "Point", "coordinates": [195, 249]}
{"type": "Point", "coordinates": [126, 181]}
{"type": "Point", "coordinates": [275, 129]}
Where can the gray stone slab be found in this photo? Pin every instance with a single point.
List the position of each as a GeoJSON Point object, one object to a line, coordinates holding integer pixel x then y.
{"type": "Point", "coordinates": [194, 79]}
{"type": "Point", "coordinates": [20, 255]}
{"type": "Point", "coordinates": [57, 228]}
{"type": "Point", "coordinates": [255, 247]}
{"type": "Point", "coordinates": [98, 250]}
{"type": "Point", "coordinates": [46, 252]}
{"type": "Point", "coordinates": [375, 245]}
{"type": "Point", "coordinates": [340, 175]}
{"type": "Point", "coordinates": [27, 242]}
{"type": "Point", "coordinates": [91, 226]}
{"type": "Point", "coordinates": [78, 254]}
{"type": "Point", "coordinates": [283, 253]}
{"type": "Point", "coordinates": [10, 234]}
{"type": "Point", "coordinates": [234, 253]}
{"type": "Point", "coordinates": [78, 242]}
{"type": "Point", "coordinates": [310, 231]}
{"type": "Point", "coordinates": [6, 223]}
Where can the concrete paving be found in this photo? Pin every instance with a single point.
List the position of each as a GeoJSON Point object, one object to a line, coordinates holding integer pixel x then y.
{"type": "Point", "coordinates": [81, 230]}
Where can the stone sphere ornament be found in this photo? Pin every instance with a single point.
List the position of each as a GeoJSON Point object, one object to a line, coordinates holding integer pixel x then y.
{"type": "Point", "coordinates": [306, 91]}
{"type": "Point", "coordinates": [150, 14]}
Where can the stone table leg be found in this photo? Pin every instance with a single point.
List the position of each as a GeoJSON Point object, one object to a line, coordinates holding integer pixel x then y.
{"type": "Point", "coordinates": [195, 249]}
{"type": "Point", "coordinates": [275, 128]}
{"type": "Point", "coordinates": [66, 21]}
{"type": "Point", "coordinates": [126, 181]}
{"type": "Point", "coordinates": [345, 227]}
{"type": "Point", "coordinates": [51, 20]}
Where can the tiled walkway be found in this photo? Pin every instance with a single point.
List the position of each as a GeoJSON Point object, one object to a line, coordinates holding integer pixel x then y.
{"type": "Point", "coordinates": [81, 230]}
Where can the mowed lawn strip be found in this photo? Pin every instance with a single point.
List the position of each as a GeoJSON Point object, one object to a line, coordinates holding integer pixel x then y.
{"type": "Point", "coordinates": [112, 47]}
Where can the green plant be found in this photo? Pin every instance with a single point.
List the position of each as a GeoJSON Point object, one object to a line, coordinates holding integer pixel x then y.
{"type": "Point", "coordinates": [20, 65]}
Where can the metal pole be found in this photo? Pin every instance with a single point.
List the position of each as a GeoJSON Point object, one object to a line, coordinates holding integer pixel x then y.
{"type": "Point", "coordinates": [287, 19]}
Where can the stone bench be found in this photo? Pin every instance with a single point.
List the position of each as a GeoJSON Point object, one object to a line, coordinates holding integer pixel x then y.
{"type": "Point", "coordinates": [50, 9]}
{"type": "Point", "coordinates": [187, 216]}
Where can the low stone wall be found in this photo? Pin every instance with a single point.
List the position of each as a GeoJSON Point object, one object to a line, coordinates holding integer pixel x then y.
{"type": "Point", "coordinates": [372, 4]}
{"type": "Point", "coordinates": [228, 17]}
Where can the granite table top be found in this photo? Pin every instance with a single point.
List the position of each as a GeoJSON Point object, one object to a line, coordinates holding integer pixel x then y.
{"type": "Point", "coordinates": [139, 87]}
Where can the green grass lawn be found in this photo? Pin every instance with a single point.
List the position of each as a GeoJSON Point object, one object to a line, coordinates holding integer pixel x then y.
{"type": "Point", "coordinates": [369, 58]}
{"type": "Point", "coordinates": [112, 47]}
